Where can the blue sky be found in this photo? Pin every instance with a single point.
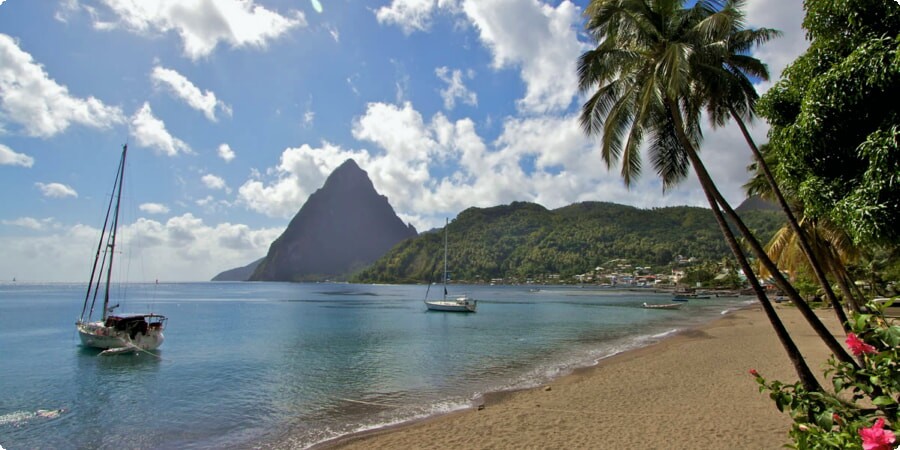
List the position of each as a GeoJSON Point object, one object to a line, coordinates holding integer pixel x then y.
{"type": "Point", "coordinates": [235, 111]}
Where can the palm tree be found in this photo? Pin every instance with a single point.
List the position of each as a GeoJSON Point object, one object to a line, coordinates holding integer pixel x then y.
{"type": "Point", "coordinates": [649, 69]}
{"type": "Point", "coordinates": [731, 95]}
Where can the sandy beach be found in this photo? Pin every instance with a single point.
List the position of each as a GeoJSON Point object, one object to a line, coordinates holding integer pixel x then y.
{"type": "Point", "coordinates": [690, 391]}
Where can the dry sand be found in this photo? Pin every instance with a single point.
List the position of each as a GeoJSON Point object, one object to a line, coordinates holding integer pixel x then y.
{"type": "Point", "coordinates": [691, 391]}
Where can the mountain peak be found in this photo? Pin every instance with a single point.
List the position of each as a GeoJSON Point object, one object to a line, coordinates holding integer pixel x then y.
{"type": "Point", "coordinates": [343, 226]}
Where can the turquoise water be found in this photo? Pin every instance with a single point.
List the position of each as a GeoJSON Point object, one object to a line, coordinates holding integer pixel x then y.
{"type": "Point", "coordinates": [289, 365]}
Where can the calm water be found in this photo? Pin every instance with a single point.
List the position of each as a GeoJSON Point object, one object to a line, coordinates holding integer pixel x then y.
{"type": "Point", "coordinates": [290, 365]}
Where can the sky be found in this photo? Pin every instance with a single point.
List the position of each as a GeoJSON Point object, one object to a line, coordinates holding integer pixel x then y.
{"type": "Point", "coordinates": [235, 111]}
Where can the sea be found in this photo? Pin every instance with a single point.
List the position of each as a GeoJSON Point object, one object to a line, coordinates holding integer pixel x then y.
{"type": "Point", "coordinates": [290, 365]}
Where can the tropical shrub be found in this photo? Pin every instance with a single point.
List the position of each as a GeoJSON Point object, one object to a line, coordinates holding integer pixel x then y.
{"type": "Point", "coordinates": [862, 411]}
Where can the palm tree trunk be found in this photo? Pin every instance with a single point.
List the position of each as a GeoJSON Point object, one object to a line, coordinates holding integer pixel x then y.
{"type": "Point", "coordinates": [803, 372]}
{"type": "Point", "coordinates": [782, 283]}
{"type": "Point", "coordinates": [798, 231]}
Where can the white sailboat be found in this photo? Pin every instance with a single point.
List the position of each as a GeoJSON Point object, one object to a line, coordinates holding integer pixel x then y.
{"type": "Point", "coordinates": [462, 303]}
{"type": "Point", "coordinates": [114, 331]}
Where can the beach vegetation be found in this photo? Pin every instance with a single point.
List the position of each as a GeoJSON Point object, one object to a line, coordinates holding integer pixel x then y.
{"type": "Point", "coordinates": [834, 118]}
{"type": "Point", "coordinates": [862, 410]}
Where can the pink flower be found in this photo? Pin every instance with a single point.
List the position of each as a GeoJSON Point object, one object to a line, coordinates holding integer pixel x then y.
{"type": "Point", "coordinates": [857, 346]}
{"type": "Point", "coordinates": [877, 438]}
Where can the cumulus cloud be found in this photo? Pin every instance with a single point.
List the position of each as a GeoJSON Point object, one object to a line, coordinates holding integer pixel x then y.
{"type": "Point", "coordinates": [205, 101]}
{"type": "Point", "coordinates": [150, 132]}
{"type": "Point", "coordinates": [226, 153]}
{"type": "Point", "coordinates": [412, 15]}
{"type": "Point", "coordinates": [538, 39]}
{"type": "Point", "coordinates": [8, 157]}
{"type": "Point", "coordinates": [214, 182]}
{"type": "Point", "coordinates": [154, 208]}
{"type": "Point", "coordinates": [182, 248]}
{"type": "Point", "coordinates": [38, 104]}
{"type": "Point", "coordinates": [56, 190]}
{"type": "Point", "coordinates": [202, 25]}
{"type": "Point", "coordinates": [432, 168]}
{"type": "Point", "coordinates": [284, 188]}
{"type": "Point", "coordinates": [456, 89]}
{"type": "Point", "coordinates": [31, 223]}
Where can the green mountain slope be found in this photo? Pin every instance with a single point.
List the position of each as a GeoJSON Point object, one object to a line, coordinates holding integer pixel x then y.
{"type": "Point", "coordinates": [525, 240]}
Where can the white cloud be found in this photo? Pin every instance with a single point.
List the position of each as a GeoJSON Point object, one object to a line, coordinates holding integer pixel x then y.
{"type": "Point", "coordinates": [535, 37]}
{"type": "Point", "coordinates": [31, 223]}
{"type": "Point", "coordinates": [65, 11]}
{"type": "Point", "coordinates": [784, 16]}
{"type": "Point", "coordinates": [182, 248]}
{"type": "Point", "coordinates": [335, 34]}
{"type": "Point", "coordinates": [202, 25]}
{"type": "Point", "coordinates": [8, 157]}
{"type": "Point", "coordinates": [433, 168]}
{"type": "Point", "coordinates": [56, 190]}
{"type": "Point", "coordinates": [37, 103]}
{"type": "Point", "coordinates": [151, 132]}
{"type": "Point", "coordinates": [455, 88]}
{"type": "Point", "coordinates": [205, 102]}
{"type": "Point", "coordinates": [412, 15]}
{"type": "Point", "coordinates": [214, 182]}
{"type": "Point", "coordinates": [300, 172]}
{"type": "Point", "coordinates": [154, 208]}
{"type": "Point", "coordinates": [226, 153]}
{"type": "Point", "coordinates": [539, 39]}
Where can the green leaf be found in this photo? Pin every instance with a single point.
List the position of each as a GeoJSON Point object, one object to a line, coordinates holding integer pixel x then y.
{"type": "Point", "coordinates": [883, 400]}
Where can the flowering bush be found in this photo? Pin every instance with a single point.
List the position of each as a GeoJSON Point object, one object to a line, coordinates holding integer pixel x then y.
{"type": "Point", "coordinates": [862, 412]}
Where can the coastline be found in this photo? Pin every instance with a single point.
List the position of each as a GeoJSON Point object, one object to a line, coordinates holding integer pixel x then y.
{"type": "Point", "coordinates": [689, 390]}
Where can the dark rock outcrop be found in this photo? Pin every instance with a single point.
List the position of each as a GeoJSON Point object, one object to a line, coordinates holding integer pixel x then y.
{"type": "Point", "coordinates": [342, 227]}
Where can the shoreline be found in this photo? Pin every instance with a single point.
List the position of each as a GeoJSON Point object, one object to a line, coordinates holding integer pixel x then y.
{"type": "Point", "coordinates": [702, 396]}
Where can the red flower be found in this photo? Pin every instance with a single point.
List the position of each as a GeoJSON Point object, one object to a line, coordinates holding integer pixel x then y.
{"type": "Point", "coordinates": [754, 372]}
{"type": "Point", "coordinates": [877, 438]}
{"type": "Point", "coordinates": [857, 346]}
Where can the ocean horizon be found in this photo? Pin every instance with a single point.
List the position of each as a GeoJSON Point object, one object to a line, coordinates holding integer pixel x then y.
{"type": "Point", "coordinates": [291, 365]}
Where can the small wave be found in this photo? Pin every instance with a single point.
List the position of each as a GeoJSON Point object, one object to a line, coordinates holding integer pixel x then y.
{"type": "Point", "coordinates": [402, 417]}
{"type": "Point", "coordinates": [20, 417]}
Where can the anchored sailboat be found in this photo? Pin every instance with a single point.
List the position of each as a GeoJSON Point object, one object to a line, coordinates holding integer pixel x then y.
{"type": "Point", "coordinates": [137, 331]}
{"type": "Point", "coordinates": [462, 303]}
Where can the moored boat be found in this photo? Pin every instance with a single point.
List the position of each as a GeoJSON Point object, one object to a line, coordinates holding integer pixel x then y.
{"type": "Point", "coordinates": [142, 331]}
{"type": "Point", "coordinates": [661, 305]}
{"type": "Point", "coordinates": [462, 303]}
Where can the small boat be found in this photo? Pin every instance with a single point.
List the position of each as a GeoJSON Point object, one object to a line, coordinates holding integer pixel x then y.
{"type": "Point", "coordinates": [661, 305]}
{"type": "Point", "coordinates": [462, 303]}
{"type": "Point", "coordinates": [141, 331]}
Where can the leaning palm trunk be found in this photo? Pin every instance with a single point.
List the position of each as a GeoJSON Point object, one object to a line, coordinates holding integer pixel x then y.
{"type": "Point", "coordinates": [782, 283]}
{"type": "Point", "coordinates": [803, 372]}
{"type": "Point", "coordinates": [801, 236]}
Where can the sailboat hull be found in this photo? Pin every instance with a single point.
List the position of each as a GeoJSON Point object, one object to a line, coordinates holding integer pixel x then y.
{"type": "Point", "coordinates": [464, 306]}
{"type": "Point", "coordinates": [97, 335]}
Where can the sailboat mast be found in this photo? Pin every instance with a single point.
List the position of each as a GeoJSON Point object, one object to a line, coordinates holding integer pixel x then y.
{"type": "Point", "coordinates": [446, 225]}
{"type": "Point", "coordinates": [111, 246]}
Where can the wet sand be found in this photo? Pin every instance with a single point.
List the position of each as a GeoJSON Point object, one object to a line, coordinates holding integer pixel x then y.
{"type": "Point", "coordinates": [689, 391]}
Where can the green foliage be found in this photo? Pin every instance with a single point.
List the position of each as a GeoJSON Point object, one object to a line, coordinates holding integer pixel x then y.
{"type": "Point", "coordinates": [861, 396]}
{"type": "Point", "coordinates": [834, 118]}
{"type": "Point", "coordinates": [525, 240]}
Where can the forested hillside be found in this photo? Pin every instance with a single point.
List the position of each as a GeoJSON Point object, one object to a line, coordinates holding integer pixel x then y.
{"type": "Point", "coordinates": [525, 240]}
